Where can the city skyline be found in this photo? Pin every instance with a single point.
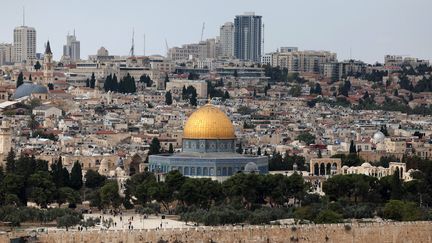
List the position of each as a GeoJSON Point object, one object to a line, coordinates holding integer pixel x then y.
{"type": "Point", "coordinates": [309, 25]}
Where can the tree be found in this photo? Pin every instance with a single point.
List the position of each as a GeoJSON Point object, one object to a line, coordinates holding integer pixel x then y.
{"type": "Point", "coordinates": [168, 98]}
{"type": "Point", "coordinates": [226, 95]}
{"type": "Point", "coordinates": [30, 78]}
{"type": "Point", "coordinates": [109, 194]}
{"type": "Point", "coordinates": [328, 216]}
{"type": "Point", "coordinates": [352, 149]}
{"type": "Point", "coordinates": [401, 211]}
{"type": "Point", "coordinates": [306, 137]}
{"type": "Point", "coordinates": [93, 179]}
{"type": "Point", "coordinates": [184, 93]}
{"type": "Point", "coordinates": [67, 194]}
{"type": "Point", "coordinates": [259, 151]}
{"type": "Point", "coordinates": [92, 81]}
{"type": "Point", "coordinates": [171, 149]}
{"type": "Point", "coordinates": [10, 161]}
{"type": "Point", "coordinates": [37, 66]}
{"type": "Point", "coordinates": [191, 94]}
{"type": "Point", "coordinates": [20, 79]}
{"type": "Point", "coordinates": [42, 188]}
{"type": "Point", "coordinates": [76, 176]}
{"type": "Point", "coordinates": [51, 86]}
{"type": "Point", "coordinates": [57, 173]}
{"type": "Point", "coordinates": [235, 73]}
{"type": "Point", "coordinates": [155, 147]}
{"type": "Point", "coordinates": [88, 83]}
{"type": "Point", "coordinates": [295, 91]}
{"type": "Point", "coordinates": [67, 221]}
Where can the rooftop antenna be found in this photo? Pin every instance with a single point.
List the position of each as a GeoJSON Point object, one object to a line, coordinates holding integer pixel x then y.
{"type": "Point", "coordinates": [144, 45]}
{"type": "Point", "coordinates": [350, 54]}
{"type": "Point", "coordinates": [23, 16]}
{"type": "Point", "coordinates": [133, 44]}
{"type": "Point", "coordinates": [74, 32]}
{"type": "Point", "coordinates": [202, 31]}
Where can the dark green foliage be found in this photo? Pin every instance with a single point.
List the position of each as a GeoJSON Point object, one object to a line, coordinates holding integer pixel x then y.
{"type": "Point", "coordinates": [351, 159]}
{"type": "Point", "coordinates": [352, 148]}
{"type": "Point", "coordinates": [306, 137]}
{"type": "Point", "coordinates": [76, 176]}
{"type": "Point", "coordinates": [277, 162]}
{"type": "Point", "coordinates": [345, 88]}
{"type": "Point", "coordinates": [109, 195]}
{"type": "Point", "coordinates": [10, 162]}
{"type": "Point", "coordinates": [146, 80]}
{"type": "Point", "coordinates": [155, 147]}
{"type": "Point", "coordinates": [168, 98]}
{"type": "Point", "coordinates": [37, 66]}
{"type": "Point", "coordinates": [401, 211]}
{"type": "Point", "coordinates": [126, 85]}
{"type": "Point", "coordinates": [93, 179]}
{"type": "Point", "coordinates": [20, 79]}
{"type": "Point", "coordinates": [92, 82]}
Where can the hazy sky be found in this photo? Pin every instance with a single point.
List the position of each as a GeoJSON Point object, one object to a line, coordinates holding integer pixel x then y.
{"type": "Point", "coordinates": [370, 28]}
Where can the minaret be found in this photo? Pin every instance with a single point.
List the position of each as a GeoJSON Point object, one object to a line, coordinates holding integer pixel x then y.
{"type": "Point", "coordinates": [5, 140]}
{"type": "Point", "coordinates": [48, 65]}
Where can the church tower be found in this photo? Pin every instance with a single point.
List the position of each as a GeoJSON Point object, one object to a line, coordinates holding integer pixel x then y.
{"type": "Point", "coordinates": [48, 65]}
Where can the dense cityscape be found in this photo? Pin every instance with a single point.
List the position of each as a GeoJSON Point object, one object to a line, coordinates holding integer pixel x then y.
{"type": "Point", "coordinates": [213, 133]}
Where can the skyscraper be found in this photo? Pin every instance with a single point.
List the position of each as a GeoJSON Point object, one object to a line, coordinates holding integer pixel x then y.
{"type": "Point", "coordinates": [72, 48]}
{"type": "Point", "coordinates": [248, 37]}
{"type": "Point", "coordinates": [227, 39]}
{"type": "Point", "coordinates": [24, 47]}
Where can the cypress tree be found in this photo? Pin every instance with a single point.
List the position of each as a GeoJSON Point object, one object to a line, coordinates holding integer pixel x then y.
{"type": "Point", "coordinates": [92, 81]}
{"type": "Point", "coordinates": [168, 98]}
{"type": "Point", "coordinates": [20, 79]}
{"type": "Point", "coordinates": [10, 162]}
{"type": "Point", "coordinates": [76, 176]}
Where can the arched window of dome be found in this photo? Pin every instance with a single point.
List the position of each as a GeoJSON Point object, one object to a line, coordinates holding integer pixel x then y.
{"type": "Point", "coordinates": [198, 171]}
{"type": "Point", "coordinates": [205, 171]}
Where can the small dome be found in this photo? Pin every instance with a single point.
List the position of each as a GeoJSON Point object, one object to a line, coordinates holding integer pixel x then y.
{"type": "Point", "coordinates": [378, 137]}
{"type": "Point", "coordinates": [345, 167]}
{"type": "Point", "coordinates": [366, 164]}
{"type": "Point", "coordinates": [251, 167]}
{"type": "Point", "coordinates": [26, 89]}
{"type": "Point", "coordinates": [208, 122]}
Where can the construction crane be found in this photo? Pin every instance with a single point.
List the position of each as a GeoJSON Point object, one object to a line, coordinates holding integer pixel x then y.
{"type": "Point", "coordinates": [202, 31]}
{"type": "Point", "coordinates": [166, 45]}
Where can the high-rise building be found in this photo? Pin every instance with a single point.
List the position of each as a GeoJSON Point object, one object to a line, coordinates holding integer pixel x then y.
{"type": "Point", "coordinates": [248, 37]}
{"type": "Point", "coordinates": [24, 46]}
{"type": "Point", "coordinates": [5, 54]}
{"type": "Point", "coordinates": [227, 40]}
{"type": "Point", "coordinates": [72, 48]}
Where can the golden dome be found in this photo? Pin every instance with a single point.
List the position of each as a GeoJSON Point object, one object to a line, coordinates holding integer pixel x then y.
{"type": "Point", "coordinates": [208, 122]}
